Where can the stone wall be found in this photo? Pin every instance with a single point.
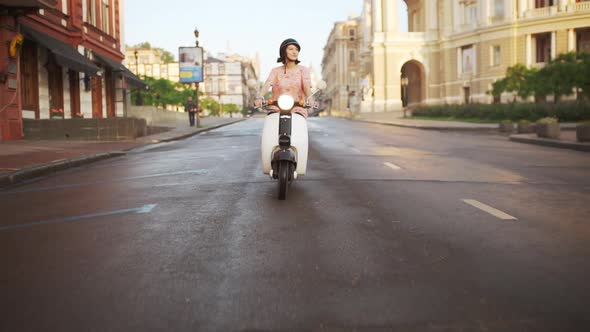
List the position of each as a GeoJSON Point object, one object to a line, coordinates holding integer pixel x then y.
{"type": "Point", "coordinates": [111, 129]}
{"type": "Point", "coordinates": [156, 117]}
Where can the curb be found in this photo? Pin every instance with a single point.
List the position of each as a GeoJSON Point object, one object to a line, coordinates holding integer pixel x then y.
{"type": "Point", "coordinates": [490, 129]}
{"type": "Point", "coordinates": [585, 147]}
{"type": "Point", "coordinates": [36, 171]}
{"type": "Point", "coordinates": [40, 170]}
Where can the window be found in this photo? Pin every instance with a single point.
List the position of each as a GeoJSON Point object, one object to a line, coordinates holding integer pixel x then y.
{"type": "Point", "coordinates": [351, 57]}
{"type": "Point", "coordinates": [542, 47]}
{"type": "Point", "coordinates": [543, 3]}
{"type": "Point", "coordinates": [221, 68]}
{"type": "Point", "coordinates": [221, 84]}
{"type": "Point", "coordinates": [351, 34]}
{"type": "Point", "coordinates": [29, 77]}
{"type": "Point", "coordinates": [91, 12]}
{"type": "Point", "coordinates": [583, 40]}
{"type": "Point", "coordinates": [499, 8]}
{"type": "Point", "coordinates": [466, 94]}
{"type": "Point", "coordinates": [469, 12]}
{"type": "Point", "coordinates": [105, 15]}
{"type": "Point", "coordinates": [496, 55]}
{"type": "Point", "coordinates": [467, 59]}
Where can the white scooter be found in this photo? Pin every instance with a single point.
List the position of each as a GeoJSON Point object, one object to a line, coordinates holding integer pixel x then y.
{"type": "Point", "coordinates": [284, 142]}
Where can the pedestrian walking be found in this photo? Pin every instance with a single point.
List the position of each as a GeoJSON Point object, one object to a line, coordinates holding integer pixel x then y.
{"type": "Point", "coordinates": [191, 108]}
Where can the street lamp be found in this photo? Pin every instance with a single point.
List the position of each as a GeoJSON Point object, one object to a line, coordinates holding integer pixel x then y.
{"type": "Point", "coordinates": [197, 104]}
{"type": "Point", "coordinates": [405, 82]}
{"type": "Point", "coordinates": [196, 32]}
{"type": "Point", "coordinates": [139, 102]}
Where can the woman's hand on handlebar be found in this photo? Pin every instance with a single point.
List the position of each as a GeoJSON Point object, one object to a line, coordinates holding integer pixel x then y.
{"type": "Point", "coordinates": [258, 102]}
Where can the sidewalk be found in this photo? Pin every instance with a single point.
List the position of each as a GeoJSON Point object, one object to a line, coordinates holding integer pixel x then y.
{"type": "Point", "coordinates": [26, 159]}
{"type": "Point", "coordinates": [567, 139]}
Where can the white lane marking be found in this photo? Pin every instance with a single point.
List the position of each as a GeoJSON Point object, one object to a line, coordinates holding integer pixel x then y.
{"type": "Point", "coordinates": [392, 166]}
{"type": "Point", "coordinates": [495, 212]}
{"type": "Point", "coordinates": [74, 185]}
{"type": "Point", "coordinates": [141, 210]}
{"type": "Point", "coordinates": [355, 150]}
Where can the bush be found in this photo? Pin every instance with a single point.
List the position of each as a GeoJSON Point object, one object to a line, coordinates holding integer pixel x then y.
{"type": "Point", "coordinates": [547, 120]}
{"type": "Point", "coordinates": [564, 111]}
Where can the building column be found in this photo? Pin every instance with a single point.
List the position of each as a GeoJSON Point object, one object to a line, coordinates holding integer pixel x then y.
{"type": "Point", "coordinates": [379, 78]}
{"type": "Point", "coordinates": [571, 40]}
{"type": "Point", "coordinates": [390, 21]}
{"type": "Point", "coordinates": [457, 17]}
{"type": "Point", "coordinates": [528, 47]}
{"type": "Point", "coordinates": [431, 15]}
{"type": "Point", "coordinates": [377, 16]}
{"type": "Point", "coordinates": [522, 7]}
{"type": "Point", "coordinates": [459, 62]}
{"type": "Point", "coordinates": [553, 44]}
{"type": "Point", "coordinates": [484, 12]}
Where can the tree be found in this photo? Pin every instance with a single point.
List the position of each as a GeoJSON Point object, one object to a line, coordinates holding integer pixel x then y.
{"type": "Point", "coordinates": [143, 45]}
{"type": "Point", "coordinates": [165, 56]}
{"type": "Point", "coordinates": [162, 93]}
{"type": "Point", "coordinates": [210, 105]}
{"type": "Point", "coordinates": [231, 109]}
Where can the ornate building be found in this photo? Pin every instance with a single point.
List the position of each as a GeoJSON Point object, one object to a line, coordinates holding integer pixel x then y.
{"type": "Point", "coordinates": [454, 50]}
{"type": "Point", "coordinates": [341, 65]}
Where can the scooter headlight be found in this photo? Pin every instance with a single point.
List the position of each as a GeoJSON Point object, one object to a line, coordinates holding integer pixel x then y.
{"type": "Point", "coordinates": [286, 102]}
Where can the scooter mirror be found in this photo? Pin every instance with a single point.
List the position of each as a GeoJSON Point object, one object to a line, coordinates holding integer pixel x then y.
{"type": "Point", "coordinates": [321, 85]}
{"type": "Point", "coordinates": [251, 83]}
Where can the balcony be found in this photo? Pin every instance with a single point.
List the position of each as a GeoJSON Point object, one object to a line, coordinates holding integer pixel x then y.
{"type": "Point", "coordinates": [579, 6]}
{"type": "Point", "coordinates": [541, 12]}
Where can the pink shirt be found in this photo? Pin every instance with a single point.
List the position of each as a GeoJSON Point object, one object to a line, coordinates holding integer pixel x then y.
{"type": "Point", "coordinates": [294, 83]}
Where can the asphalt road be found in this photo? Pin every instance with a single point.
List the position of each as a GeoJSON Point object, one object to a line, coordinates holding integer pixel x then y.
{"type": "Point", "coordinates": [392, 230]}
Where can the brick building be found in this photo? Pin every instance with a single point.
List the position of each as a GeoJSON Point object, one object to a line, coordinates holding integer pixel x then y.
{"type": "Point", "coordinates": [69, 59]}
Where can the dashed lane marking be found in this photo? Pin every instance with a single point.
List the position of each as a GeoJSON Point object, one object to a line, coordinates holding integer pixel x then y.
{"type": "Point", "coordinates": [392, 166]}
{"type": "Point", "coordinates": [140, 210]}
{"type": "Point", "coordinates": [495, 212]}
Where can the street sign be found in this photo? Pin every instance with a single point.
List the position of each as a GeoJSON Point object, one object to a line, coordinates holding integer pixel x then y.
{"type": "Point", "coordinates": [191, 64]}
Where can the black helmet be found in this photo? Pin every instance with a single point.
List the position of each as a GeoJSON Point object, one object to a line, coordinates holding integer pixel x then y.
{"type": "Point", "coordinates": [283, 49]}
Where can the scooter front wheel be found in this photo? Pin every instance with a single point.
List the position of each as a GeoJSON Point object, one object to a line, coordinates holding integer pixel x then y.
{"type": "Point", "coordinates": [284, 175]}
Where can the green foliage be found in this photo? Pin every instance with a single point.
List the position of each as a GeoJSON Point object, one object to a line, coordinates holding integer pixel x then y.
{"type": "Point", "coordinates": [163, 92]}
{"type": "Point", "coordinates": [165, 56]}
{"type": "Point", "coordinates": [211, 105]}
{"type": "Point", "coordinates": [547, 120]}
{"type": "Point", "coordinates": [231, 109]}
{"type": "Point", "coordinates": [566, 73]}
{"type": "Point", "coordinates": [143, 45]}
{"type": "Point", "coordinates": [564, 111]}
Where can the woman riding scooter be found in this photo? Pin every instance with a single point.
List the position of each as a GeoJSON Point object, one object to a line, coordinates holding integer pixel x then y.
{"type": "Point", "coordinates": [290, 78]}
{"type": "Point", "coordinates": [284, 139]}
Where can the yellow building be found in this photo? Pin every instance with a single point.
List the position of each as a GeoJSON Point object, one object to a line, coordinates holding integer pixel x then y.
{"type": "Point", "coordinates": [455, 49]}
{"type": "Point", "coordinates": [148, 62]}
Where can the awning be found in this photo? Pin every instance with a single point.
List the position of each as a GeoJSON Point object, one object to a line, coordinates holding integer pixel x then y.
{"type": "Point", "coordinates": [65, 55]}
{"type": "Point", "coordinates": [118, 67]}
{"type": "Point", "coordinates": [29, 3]}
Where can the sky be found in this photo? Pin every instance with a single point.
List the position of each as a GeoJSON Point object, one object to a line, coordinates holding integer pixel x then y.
{"type": "Point", "coordinates": [245, 27]}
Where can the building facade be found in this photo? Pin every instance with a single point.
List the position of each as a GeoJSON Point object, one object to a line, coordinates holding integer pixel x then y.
{"type": "Point", "coordinates": [148, 62]}
{"type": "Point", "coordinates": [66, 60]}
{"type": "Point", "coordinates": [341, 67]}
{"type": "Point", "coordinates": [226, 80]}
{"type": "Point", "coordinates": [455, 49]}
